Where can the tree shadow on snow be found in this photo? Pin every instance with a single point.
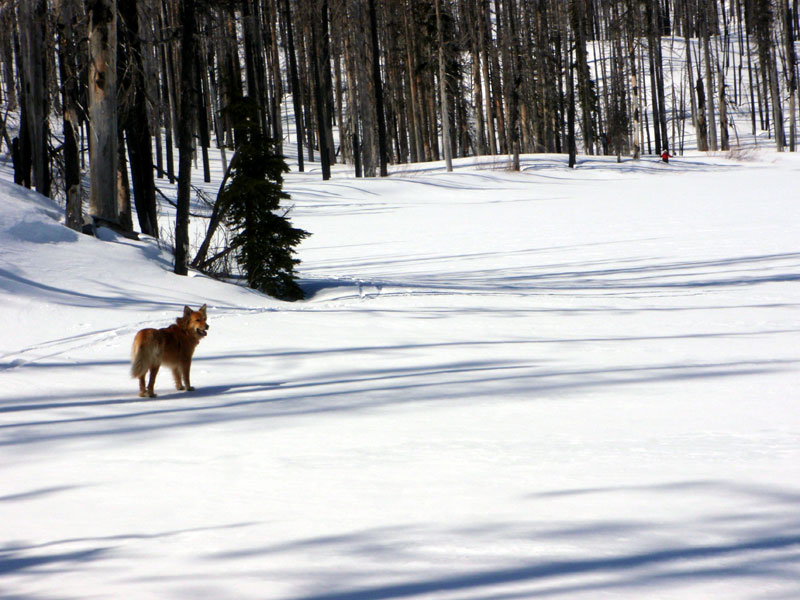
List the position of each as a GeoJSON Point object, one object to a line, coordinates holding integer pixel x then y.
{"type": "Point", "coordinates": [648, 275]}
{"type": "Point", "coordinates": [358, 389]}
{"type": "Point", "coordinates": [12, 562]}
{"type": "Point", "coordinates": [761, 546]}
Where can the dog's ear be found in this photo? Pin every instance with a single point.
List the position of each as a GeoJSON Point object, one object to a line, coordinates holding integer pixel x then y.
{"type": "Point", "coordinates": [203, 310]}
{"type": "Point", "coordinates": [187, 311]}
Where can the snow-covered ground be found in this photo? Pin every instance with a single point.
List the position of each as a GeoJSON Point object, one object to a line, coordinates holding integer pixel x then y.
{"type": "Point", "coordinates": [557, 383]}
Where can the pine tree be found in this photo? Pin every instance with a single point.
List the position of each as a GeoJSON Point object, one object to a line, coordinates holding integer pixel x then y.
{"type": "Point", "coordinates": [263, 240]}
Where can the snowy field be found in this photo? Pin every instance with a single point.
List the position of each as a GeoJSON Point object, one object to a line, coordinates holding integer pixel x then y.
{"type": "Point", "coordinates": [551, 384]}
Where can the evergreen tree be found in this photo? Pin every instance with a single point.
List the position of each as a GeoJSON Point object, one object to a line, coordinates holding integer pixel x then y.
{"type": "Point", "coordinates": [263, 240]}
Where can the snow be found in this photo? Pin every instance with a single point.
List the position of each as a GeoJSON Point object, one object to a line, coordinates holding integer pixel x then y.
{"type": "Point", "coordinates": [554, 383]}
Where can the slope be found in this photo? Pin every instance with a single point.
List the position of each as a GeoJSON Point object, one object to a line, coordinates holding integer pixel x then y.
{"type": "Point", "coordinates": [555, 383]}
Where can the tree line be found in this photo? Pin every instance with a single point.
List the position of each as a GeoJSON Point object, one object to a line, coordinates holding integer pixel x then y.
{"type": "Point", "coordinates": [141, 86]}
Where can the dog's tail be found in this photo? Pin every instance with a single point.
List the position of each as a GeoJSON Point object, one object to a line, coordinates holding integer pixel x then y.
{"type": "Point", "coordinates": [146, 352]}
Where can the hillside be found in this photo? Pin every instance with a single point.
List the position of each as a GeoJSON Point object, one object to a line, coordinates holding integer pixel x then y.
{"type": "Point", "coordinates": [551, 383]}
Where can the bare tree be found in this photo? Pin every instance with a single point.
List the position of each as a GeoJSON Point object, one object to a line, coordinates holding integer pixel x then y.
{"type": "Point", "coordinates": [134, 120]}
{"type": "Point", "coordinates": [103, 110]}
{"type": "Point", "coordinates": [32, 17]}
{"type": "Point", "coordinates": [448, 157]}
{"type": "Point", "coordinates": [185, 128]}
{"type": "Point", "coordinates": [67, 30]}
{"type": "Point", "coordinates": [378, 87]}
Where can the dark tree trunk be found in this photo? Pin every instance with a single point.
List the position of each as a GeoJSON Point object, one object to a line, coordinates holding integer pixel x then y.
{"type": "Point", "coordinates": [185, 124]}
{"type": "Point", "coordinates": [326, 80]}
{"type": "Point", "coordinates": [32, 22]}
{"type": "Point", "coordinates": [376, 77]}
{"type": "Point", "coordinates": [20, 146]}
{"type": "Point", "coordinates": [571, 144]}
{"type": "Point", "coordinates": [68, 70]}
{"type": "Point", "coordinates": [319, 102]}
{"type": "Point", "coordinates": [294, 80]}
{"type": "Point", "coordinates": [134, 120]}
{"type": "Point", "coordinates": [448, 157]}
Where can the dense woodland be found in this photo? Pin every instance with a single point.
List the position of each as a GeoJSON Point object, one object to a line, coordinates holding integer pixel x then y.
{"type": "Point", "coordinates": [131, 92]}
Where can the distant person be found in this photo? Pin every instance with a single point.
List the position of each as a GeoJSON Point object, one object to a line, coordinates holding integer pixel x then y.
{"type": "Point", "coordinates": [665, 155]}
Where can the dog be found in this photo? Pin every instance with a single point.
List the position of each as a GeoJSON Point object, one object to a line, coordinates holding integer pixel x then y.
{"type": "Point", "coordinates": [172, 346]}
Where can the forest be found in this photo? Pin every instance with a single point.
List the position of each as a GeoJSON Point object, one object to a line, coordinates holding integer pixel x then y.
{"type": "Point", "coordinates": [102, 100]}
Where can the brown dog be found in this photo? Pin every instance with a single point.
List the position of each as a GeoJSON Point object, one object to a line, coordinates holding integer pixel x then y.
{"type": "Point", "coordinates": [172, 346]}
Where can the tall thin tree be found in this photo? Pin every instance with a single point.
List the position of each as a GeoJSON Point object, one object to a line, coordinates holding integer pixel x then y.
{"type": "Point", "coordinates": [185, 128]}
{"type": "Point", "coordinates": [448, 156]}
{"type": "Point", "coordinates": [68, 31]}
{"type": "Point", "coordinates": [103, 110]}
{"type": "Point", "coordinates": [378, 85]}
{"type": "Point", "coordinates": [32, 16]}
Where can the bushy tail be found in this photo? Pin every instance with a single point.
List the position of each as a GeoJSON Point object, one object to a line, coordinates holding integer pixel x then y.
{"type": "Point", "coordinates": [146, 353]}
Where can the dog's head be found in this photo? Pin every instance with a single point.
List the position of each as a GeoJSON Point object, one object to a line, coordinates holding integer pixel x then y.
{"type": "Point", "coordinates": [195, 321]}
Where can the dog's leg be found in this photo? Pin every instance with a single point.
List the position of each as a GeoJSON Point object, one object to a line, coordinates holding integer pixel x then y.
{"type": "Point", "coordinates": [176, 375]}
{"type": "Point", "coordinates": [185, 368]}
{"type": "Point", "coordinates": [152, 383]}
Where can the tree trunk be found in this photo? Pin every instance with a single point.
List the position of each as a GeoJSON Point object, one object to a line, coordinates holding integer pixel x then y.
{"type": "Point", "coordinates": [103, 110]}
{"type": "Point", "coordinates": [513, 82]}
{"type": "Point", "coordinates": [166, 105]}
{"type": "Point", "coordinates": [378, 88]}
{"type": "Point", "coordinates": [724, 138]}
{"type": "Point", "coordinates": [32, 16]}
{"type": "Point", "coordinates": [568, 63]}
{"type": "Point", "coordinates": [711, 118]}
{"type": "Point", "coordinates": [659, 68]}
{"type": "Point", "coordinates": [418, 135]}
{"type": "Point", "coordinates": [477, 91]}
{"type": "Point", "coordinates": [7, 58]}
{"type": "Point", "coordinates": [294, 80]}
{"type": "Point", "coordinates": [702, 128]}
{"type": "Point", "coordinates": [67, 29]}
{"type": "Point", "coordinates": [319, 102]}
{"type": "Point", "coordinates": [20, 146]}
{"type": "Point", "coordinates": [185, 124]}
{"type": "Point", "coordinates": [364, 112]}
{"type": "Point", "coordinates": [326, 80]}
{"type": "Point", "coordinates": [632, 34]}
{"type": "Point", "coordinates": [584, 76]}
{"type": "Point", "coordinates": [123, 188]}
{"type": "Point", "coordinates": [448, 156]}
{"type": "Point", "coordinates": [135, 122]}
{"type": "Point", "coordinates": [491, 136]}
{"type": "Point", "coordinates": [791, 75]}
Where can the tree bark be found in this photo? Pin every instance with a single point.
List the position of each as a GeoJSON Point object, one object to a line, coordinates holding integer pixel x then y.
{"type": "Point", "coordinates": [103, 110]}
{"type": "Point", "coordinates": [185, 125]}
{"type": "Point", "coordinates": [378, 87]}
{"type": "Point", "coordinates": [791, 74]}
{"type": "Point", "coordinates": [294, 80]}
{"type": "Point", "coordinates": [32, 16]}
{"type": "Point", "coordinates": [711, 118]}
{"type": "Point", "coordinates": [67, 30]}
{"type": "Point", "coordinates": [448, 156]}
{"type": "Point", "coordinates": [135, 122]}
{"type": "Point", "coordinates": [319, 102]}
{"type": "Point", "coordinates": [632, 34]}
